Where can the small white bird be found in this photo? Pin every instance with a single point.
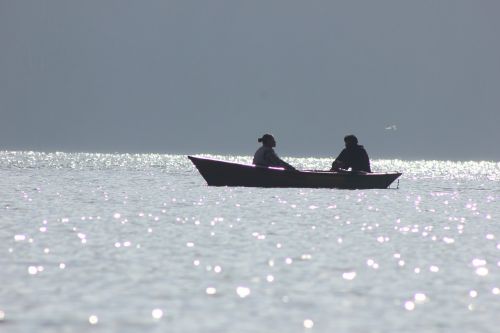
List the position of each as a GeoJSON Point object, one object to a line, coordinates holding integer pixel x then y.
{"type": "Point", "coordinates": [391, 128]}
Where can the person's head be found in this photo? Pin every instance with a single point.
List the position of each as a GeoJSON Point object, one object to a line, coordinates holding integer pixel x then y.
{"type": "Point", "coordinates": [267, 140]}
{"type": "Point", "coordinates": [350, 141]}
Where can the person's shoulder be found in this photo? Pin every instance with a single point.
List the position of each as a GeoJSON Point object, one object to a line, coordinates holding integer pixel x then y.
{"type": "Point", "coordinates": [344, 151]}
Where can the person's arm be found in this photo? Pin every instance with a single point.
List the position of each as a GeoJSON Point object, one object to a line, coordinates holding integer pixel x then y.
{"type": "Point", "coordinates": [286, 165]}
{"type": "Point", "coordinates": [366, 161]}
{"type": "Point", "coordinates": [276, 161]}
{"type": "Point", "coordinates": [337, 165]}
{"type": "Point", "coordinates": [340, 161]}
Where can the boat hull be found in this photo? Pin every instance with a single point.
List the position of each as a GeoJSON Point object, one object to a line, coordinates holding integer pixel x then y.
{"type": "Point", "coordinates": [223, 173]}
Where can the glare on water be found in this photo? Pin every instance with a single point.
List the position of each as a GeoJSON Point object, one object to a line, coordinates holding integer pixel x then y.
{"type": "Point", "coordinates": [128, 242]}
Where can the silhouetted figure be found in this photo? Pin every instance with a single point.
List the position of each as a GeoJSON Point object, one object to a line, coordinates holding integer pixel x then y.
{"type": "Point", "coordinates": [353, 156]}
{"type": "Point", "coordinates": [265, 155]}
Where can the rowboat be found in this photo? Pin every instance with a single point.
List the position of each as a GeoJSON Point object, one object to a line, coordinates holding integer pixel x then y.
{"type": "Point", "coordinates": [224, 173]}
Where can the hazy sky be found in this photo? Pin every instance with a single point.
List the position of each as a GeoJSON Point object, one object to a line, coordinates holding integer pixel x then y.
{"type": "Point", "coordinates": [212, 76]}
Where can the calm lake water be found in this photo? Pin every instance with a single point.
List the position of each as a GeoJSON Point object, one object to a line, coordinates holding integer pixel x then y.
{"type": "Point", "coordinates": [139, 243]}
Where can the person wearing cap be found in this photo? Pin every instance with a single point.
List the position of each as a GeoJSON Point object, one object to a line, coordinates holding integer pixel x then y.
{"type": "Point", "coordinates": [353, 156]}
{"type": "Point", "coordinates": [266, 156]}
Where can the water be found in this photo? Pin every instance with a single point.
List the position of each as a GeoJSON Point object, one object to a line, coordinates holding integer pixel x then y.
{"type": "Point", "coordinates": [131, 243]}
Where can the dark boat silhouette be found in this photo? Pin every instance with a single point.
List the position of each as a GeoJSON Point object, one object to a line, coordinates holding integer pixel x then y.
{"type": "Point", "coordinates": [223, 173]}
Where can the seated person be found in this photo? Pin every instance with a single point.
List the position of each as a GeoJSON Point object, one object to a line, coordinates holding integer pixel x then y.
{"type": "Point", "coordinates": [265, 155]}
{"type": "Point", "coordinates": [353, 156]}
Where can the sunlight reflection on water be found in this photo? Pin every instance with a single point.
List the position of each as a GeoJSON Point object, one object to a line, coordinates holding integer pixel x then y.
{"type": "Point", "coordinates": [137, 241]}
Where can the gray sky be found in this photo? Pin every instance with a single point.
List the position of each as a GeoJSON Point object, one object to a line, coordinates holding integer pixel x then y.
{"type": "Point", "coordinates": [212, 76]}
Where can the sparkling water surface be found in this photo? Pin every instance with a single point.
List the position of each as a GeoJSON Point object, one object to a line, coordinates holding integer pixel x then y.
{"type": "Point", "coordinates": [132, 243]}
